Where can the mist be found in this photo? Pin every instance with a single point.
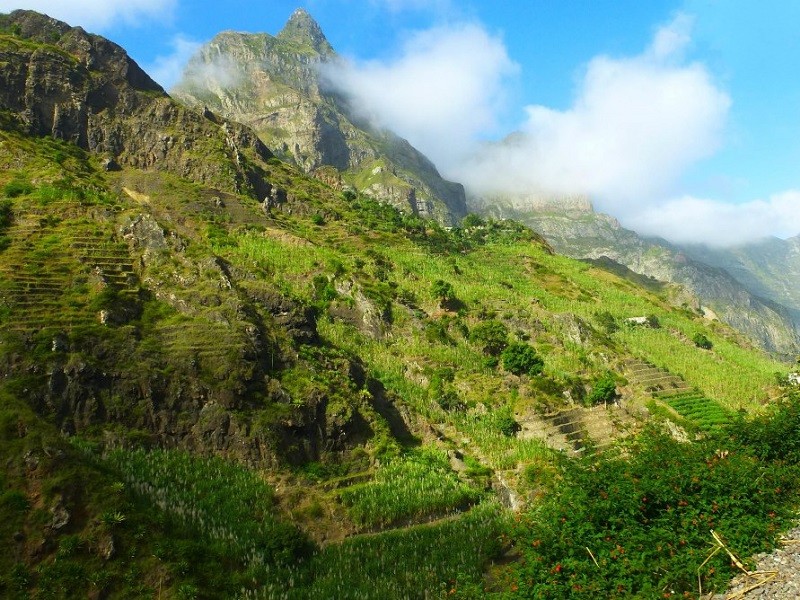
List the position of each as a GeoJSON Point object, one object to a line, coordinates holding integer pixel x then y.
{"type": "Point", "coordinates": [635, 126]}
{"type": "Point", "coordinates": [441, 92]}
{"type": "Point", "coordinates": [97, 15]}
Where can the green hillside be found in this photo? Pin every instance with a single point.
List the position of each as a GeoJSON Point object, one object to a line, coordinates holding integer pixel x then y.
{"type": "Point", "coordinates": [208, 395]}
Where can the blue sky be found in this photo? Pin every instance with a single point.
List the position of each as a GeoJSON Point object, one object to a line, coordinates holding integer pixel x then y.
{"type": "Point", "coordinates": [678, 117]}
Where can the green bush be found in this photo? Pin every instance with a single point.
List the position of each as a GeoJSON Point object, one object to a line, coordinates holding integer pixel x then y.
{"type": "Point", "coordinates": [652, 321]}
{"type": "Point", "coordinates": [701, 341]}
{"type": "Point", "coordinates": [16, 188]}
{"type": "Point", "coordinates": [503, 421]}
{"type": "Point", "coordinates": [633, 526]}
{"type": "Point", "coordinates": [521, 359]}
{"type": "Point", "coordinates": [5, 213]}
{"type": "Point", "coordinates": [472, 220]}
{"type": "Point", "coordinates": [443, 292]}
{"type": "Point", "coordinates": [603, 391]}
{"type": "Point", "coordinates": [607, 321]}
{"type": "Point", "coordinates": [492, 336]}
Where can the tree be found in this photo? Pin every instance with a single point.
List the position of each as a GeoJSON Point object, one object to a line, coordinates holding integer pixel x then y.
{"type": "Point", "coordinates": [491, 335]}
{"type": "Point", "coordinates": [521, 359]}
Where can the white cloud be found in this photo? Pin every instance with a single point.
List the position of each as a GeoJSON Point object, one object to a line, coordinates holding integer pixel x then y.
{"type": "Point", "coordinates": [167, 70]}
{"type": "Point", "coordinates": [443, 91]}
{"type": "Point", "coordinates": [670, 41]}
{"type": "Point", "coordinates": [697, 220]}
{"type": "Point", "coordinates": [96, 15]}
{"type": "Point", "coordinates": [214, 70]}
{"type": "Point", "coordinates": [635, 125]}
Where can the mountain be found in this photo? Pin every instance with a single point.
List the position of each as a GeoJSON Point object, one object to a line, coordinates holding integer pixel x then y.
{"type": "Point", "coordinates": [756, 297]}
{"type": "Point", "coordinates": [770, 269]}
{"type": "Point", "coordinates": [274, 85]}
{"type": "Point", "coordinates": [220, 377]}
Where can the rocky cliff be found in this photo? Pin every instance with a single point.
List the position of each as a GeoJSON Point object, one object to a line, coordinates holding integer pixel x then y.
{"type": "Point", "coordinates": [273, 84]}
{"type": "Point", "coordinates": [63, 82]}
{"type": "Point", "coordinates": [113, 192]}
{"type": "Point", "coordinates": [770, 269]}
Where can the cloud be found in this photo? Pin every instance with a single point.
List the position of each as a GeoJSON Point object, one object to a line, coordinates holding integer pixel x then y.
{"type": "Point", "coordinates": [696, 220]}
{"type": "Point", "coordinates": [635, 125]}
{"type": "Point", "coordinates": [167, 70]}
{"type": "Point", "coordinates": [96, 15]}
{"type": "Point", "coordinates": [211, 70]}
{"type": "Point", "coordinates": [440, 93]}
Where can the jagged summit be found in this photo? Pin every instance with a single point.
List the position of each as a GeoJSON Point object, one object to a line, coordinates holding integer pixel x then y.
{"type": "Point", "coordinates": [274, 84]}
{"type": "Point", "coordinates": [303, 30]}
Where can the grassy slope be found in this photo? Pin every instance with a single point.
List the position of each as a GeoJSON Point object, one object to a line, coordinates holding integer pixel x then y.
{"type": "Point", "coordinates": [368, 272]}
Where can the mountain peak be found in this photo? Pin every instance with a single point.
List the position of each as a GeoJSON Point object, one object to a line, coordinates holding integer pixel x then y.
{"type": "Point", "coordinates": [301, 29]}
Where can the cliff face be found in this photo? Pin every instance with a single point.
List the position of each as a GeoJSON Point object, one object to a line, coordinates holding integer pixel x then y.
{"type": "Point", "coordinates": [135, 238]}
{"type": "Point", "coordinates": [273, 84]}
{"type": "Point", "coordinates": [574, 229]}
{"type": "Point", "coordinates": [60, 81]}
{"type": "Point", "coordinates": [771, 268]}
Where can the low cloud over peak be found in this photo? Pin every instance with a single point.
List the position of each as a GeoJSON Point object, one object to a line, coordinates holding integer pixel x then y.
{"type": "Point", "coordinates": [689, 220]}
{"type": "Point", "coordinates": [444, 90]}
{"type": "Point", "coordinates": [96, 15]}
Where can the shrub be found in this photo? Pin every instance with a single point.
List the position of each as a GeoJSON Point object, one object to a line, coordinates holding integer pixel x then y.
{"type": "Point", "coordinates": [503, 421]}
{"type": "Point", "coordinates": [652, 321]}
{"type": "Point", "coordinates": [472, 220]}
{"type": "Point", "coordinates": [450, 401]}
{"type": "Point", "coordinates": [607, 321]}
{"type": "Point", "coordinates": [521, 359]}
{"type": "Point", "coordinates": [436, 332]}
{"type": "Point", "coordinates": [491, 335]}
{"type": "Point", "coordinates": [443, 291]}
{"type": "Point", "coordinates": [701, 341]}
{"type": "Point", "coordinates": [634, 525]}
{"type": "Point", "coordinates": [5, 213]}
{"type": "Point", "coordinates": [17, 188]}
{"type": "Point", "coordinates": [603, 391]}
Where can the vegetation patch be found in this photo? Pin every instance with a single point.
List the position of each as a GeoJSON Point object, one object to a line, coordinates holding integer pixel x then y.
{"type": "Point", "coordinates": [639, 524]}
{"type": "Point", "coordinates": [414, 486]}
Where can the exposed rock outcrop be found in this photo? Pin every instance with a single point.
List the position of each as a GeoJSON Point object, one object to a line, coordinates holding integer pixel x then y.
{"type": "Point", "coordinates": [63, 82]}
{"type": "Point", "coordinates": [276, 85]}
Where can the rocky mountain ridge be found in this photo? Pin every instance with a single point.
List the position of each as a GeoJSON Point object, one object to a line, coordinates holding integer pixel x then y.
{"type": "Point", "coordinates": [274, 84]}
{"type": "Point", "coordinates": [84, 89]}
{"type": "Point", "coordinates": [770, 268]}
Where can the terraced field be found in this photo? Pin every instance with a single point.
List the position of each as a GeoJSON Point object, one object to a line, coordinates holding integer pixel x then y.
{"type": "Point", "coordinates": [674, 392]}
{"type": "Point", "coordinates": [706, 413]}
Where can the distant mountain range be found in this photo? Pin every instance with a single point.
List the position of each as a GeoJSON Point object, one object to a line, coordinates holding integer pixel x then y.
{"type": "Point", "coordinates": [754, 288]}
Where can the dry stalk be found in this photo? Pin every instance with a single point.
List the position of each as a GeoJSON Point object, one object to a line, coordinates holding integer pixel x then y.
{"type": "Point", "coordinates": [761, 577]}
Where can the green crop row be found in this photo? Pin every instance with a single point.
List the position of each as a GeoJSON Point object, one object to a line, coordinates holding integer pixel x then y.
{"type": "Point", "coordinates": [413, 486]}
